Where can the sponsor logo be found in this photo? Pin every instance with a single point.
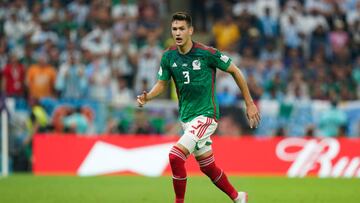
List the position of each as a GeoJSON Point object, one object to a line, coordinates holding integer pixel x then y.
{"type": "Point", "coordinates": [224, 58]}
{"type": "Point", "coordinates": [105, 158]}
{"type": "Point", "coordinates": [315, 153]}
{"type": "Point", "coordinates": [196, 65]}
{"type": "Point", "coordinates": [174, 65]}
{"type": "Point", "coordinates": [185, 65]}
{"type": "Point", "coordinates": [160, 71]}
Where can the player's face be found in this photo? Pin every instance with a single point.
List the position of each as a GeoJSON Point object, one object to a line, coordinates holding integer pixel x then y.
{"type": "Point", "coordinates": [181, 32]}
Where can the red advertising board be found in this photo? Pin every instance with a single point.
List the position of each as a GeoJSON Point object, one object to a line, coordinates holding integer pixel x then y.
{"type": "Point", "coordinates": [148, 155]}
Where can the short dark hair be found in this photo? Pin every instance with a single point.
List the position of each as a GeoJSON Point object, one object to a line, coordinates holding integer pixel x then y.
{"type": "Point", "coordinates": [182, 16]}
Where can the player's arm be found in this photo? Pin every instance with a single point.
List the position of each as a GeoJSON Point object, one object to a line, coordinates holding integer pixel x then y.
{"type": "Point", "coordinates": [157, 89]}
{"type": "Point", "coordinates": [251, 110]}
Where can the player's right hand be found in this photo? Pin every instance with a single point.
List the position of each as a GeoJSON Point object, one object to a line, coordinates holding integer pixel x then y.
{"type": "Point", "coordinates": [141, 99]}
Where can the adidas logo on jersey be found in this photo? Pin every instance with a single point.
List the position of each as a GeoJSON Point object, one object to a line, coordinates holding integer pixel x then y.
{"type": "Point", "coordinates": [174, 65]}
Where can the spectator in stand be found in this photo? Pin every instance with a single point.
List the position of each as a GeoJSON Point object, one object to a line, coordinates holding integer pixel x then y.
{"type": "Point", "coordinates": [249, 62]}
{"type": "Point", "coordinates": [52, 11]}
{"type": "Point", "coordinates": [250, 35]}
{"type": "Point", "coordinates": [338, 38]}
{"type": "Point", "coordinates": [80, 9]}
{"type": "Point", "coordinates": [244, 7]}
{"type": "Point", "coordinates": [98, 41]}
{"type": "Point", "coordinates": [149, 62]}
{"type": "Point", "coordinates": [269, 68]}
{"type": "Point", "coordinates": [318, 40]}
{"type": "Point", "coordinates": [275, 88]}
{"type": "Point", "coordinates": [356, 75]}
{"type": "Point", "coordinates": [355, 38]}
{"type": "Point", "coordinates": [352, 10]}
{"type": "Point", "coordinates": [3, 52]}
{"type": "Point", "coordinates": [121, 93]}
{"type": "Point", "coordinates": [148, 22]}
{"type": "Point", "coordinates": [66, 28]}
{"type": "Point", "coordinates": [310, 21]}
{"type": "Point", "coordinates": [124, 58]}
{"type": "Point", "coordinates": [331, 120]}
{"type": "Point", "coordinates": [98, 75]}
{"type": "Point", "coordinates": [270, 52]}
{"type": "Point", "coordinates": [199, 13]}
{"type": "Point", "coordinates": [40, 79]}
{"type": "Point", "coordinates": [15, 29]}
{"type": "Point", "coordinates": [71, 81]}
{"type": "Point", "coordinates": [225, 32]}
{"type": "Point", "coordinates": [226, 98]}
{"type": "Point", "coordinates": [141, 124]}
{"type": "Point", "coordinates": [319, 87]}
{"type": "Point", "coordinates": [70, 51]}
{"type": "Point", "coordinates": [76, 122]}
{"type": "Point", "coordinates": [337, 14]}
{"type": "Point", "coordinates": [41, 117]}
{"type": "Point", "coordinates": [13, 77]}
{"type": "Point", "coordinates": [42, 34]}
{"type": "Point", "coordinates": [27, 58]}
{"type": "Point", "coordinates": [292, 33]}
{"type": "Point", "coordinates": [321, 6]}
{"type": "Point", "coordinates": [297, 88]}
{"type": "Point", "coordinates": [255, 88]}
{"type": "Point", "coordinates": [54, 56]}
{"type": "Point", "coordinates": [269, 25]}
{"type": "Point", "coordinates": [294, 58]}
{"type": "Point", "coordinates": [125, 10]}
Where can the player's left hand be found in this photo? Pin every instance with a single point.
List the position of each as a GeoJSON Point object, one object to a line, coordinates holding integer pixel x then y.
{"type": "Point", "coordinates": [253, 115]}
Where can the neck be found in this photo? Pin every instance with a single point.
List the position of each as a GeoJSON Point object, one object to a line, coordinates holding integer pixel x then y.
{"type": "Point", "coordinates": [186, 47]}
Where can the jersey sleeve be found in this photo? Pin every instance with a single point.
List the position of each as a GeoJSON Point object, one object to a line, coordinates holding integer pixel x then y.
{"type": "Point", "coordinates": [220, 60]}
{"type": "Point", "coordinates": [164, 72]}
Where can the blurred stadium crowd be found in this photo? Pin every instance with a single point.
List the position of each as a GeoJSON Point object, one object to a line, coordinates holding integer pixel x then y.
{"type": "Point", "coordinates": [75, 66]}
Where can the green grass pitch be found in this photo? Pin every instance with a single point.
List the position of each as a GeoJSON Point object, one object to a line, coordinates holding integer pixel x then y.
{"type": "Point", "coordinates": [25, 188]}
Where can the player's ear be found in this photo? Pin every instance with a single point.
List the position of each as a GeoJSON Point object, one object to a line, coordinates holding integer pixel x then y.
{"type": "Point", "coordinates": [191, 30]}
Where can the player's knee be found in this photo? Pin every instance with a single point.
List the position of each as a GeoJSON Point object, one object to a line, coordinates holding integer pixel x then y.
{"type": "Point", "coordinates": [207, 163]}
{"type": "Point", "coordinates": [173, 159]}
{"type": "Point", "coordinates": [176, 156]}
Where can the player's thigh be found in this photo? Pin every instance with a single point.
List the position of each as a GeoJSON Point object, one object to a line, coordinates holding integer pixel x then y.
{"type": "Point", "coordinates": [204, 144]}
{"type": "Point", "coordinates": [196, 137]}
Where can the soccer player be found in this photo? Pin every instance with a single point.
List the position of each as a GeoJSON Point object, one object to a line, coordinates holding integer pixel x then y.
{"type": "Point", "coordinates": [192, 66]}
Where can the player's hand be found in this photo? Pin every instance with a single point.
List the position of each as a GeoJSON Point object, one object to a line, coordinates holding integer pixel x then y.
{"type": "Point", "coordinates": [141, 99]}
{"type": "Point", "coordinates": [253, 115]}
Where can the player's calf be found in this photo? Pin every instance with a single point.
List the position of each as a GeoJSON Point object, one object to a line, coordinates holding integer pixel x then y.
{"type": "Point", "coordinates": [217, 176]}
{"type": "Point", "coordinates": [177, 160]}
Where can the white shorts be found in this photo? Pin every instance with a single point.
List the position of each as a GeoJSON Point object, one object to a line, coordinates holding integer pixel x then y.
{"type": "Point", "coordinates": [197, 132]}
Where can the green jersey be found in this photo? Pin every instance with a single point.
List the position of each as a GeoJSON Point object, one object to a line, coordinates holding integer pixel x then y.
{"type": "Point", "coordinates": [194, 76]}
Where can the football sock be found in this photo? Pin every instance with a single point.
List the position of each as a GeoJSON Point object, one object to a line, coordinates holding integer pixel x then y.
{"type": "Point", "coordinates": [217, 176]}
{"type": "Point", "coordinates": [177, 162]}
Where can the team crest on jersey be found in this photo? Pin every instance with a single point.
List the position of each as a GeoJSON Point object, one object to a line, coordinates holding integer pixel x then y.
{"type": "Point", "coordinates": [196, 65]}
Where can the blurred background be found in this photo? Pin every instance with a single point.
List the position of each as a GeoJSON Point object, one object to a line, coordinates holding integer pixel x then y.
{"type": "Point", "coordinates": [75, 67]}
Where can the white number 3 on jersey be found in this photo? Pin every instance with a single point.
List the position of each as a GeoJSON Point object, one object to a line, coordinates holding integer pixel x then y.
{"type": "Point", "coordinates": [187, 77]}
